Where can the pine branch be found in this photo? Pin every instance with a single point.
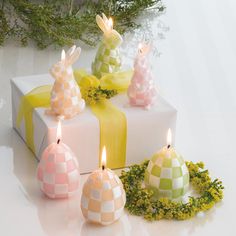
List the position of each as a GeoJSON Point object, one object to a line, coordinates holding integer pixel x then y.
{"type": "Point", "coordinates": [63, 22]}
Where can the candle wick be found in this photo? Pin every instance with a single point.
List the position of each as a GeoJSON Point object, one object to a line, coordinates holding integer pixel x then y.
{"type": "Point", "coordinates": [168, 146]}
{"type": "Point", "coordinates": [58, 141]}
{"type": "Point", "coordinates": [103, 167]}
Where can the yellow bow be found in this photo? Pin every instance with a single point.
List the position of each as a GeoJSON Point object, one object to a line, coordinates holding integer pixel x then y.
{"type": "Point", "coordinates": [118, 81]}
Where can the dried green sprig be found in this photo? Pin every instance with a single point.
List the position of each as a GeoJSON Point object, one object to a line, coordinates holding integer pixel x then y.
{"type": "Point", "coordinates": [140, 202]}
{"type": "Point", "coordinates": [4, 27]}
{"type": "Point", "coordinates": [92, 95]}
{"type": "Point", "coordinates": [62, 22]}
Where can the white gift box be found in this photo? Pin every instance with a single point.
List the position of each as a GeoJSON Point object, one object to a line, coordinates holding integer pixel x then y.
{"type": "Point", "coordinates": [146, 129]}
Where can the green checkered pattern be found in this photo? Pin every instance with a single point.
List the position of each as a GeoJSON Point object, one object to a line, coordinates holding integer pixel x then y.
{"type": "Point", "coordinates": [107, 60]}
{"type": "Point", "coordinates": [167, 176]}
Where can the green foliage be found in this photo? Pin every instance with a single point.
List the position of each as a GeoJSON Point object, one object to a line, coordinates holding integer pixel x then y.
{"type": "Point", "coordinates": [62, 22]}
{"type": "Point", "coordinates": [4, 27]}
{"type": "Point", "coordinates": [140, 201]}
{"type": "Point", "coordinates": [92, 95]}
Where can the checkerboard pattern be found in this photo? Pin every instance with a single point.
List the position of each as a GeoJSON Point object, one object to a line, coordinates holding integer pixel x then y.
{"type": "Point", "coordinates": [107, 60]}
{"type": "Point", "coordinates": [58, 171]}
{"type": "Point", "coordinates": [103, 197]}
{"type": "Point", "coordinates": [167, 176]}
{"type": "Point", "coordinates": [142, 91]}
{"type": "Point", "coordinates": [66, 98]}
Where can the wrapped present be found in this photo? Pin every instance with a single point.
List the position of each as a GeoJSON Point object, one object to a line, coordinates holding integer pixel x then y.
{"type": "Point", "coordinates": [131, 134]}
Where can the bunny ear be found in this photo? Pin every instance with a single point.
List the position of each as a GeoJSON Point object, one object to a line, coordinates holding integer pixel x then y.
{"type": "Point", "coordinates": [70, 51]}
{"type": "Point", "coordinates": [117, 36]}
{"type": "Point", "coordinates": [105, 19]}
{"type": "Point", "coordinates": [101, 23]}
{"type": "Point", "coordinates": [74, 56]}
{"type": "Point", "coordinates": [148, 47]}
{"type": "Point", "coordinates": [145, 48]}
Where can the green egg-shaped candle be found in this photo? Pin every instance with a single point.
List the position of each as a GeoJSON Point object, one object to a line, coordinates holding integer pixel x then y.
{"type": "Point", "coordinates": [167, 174]}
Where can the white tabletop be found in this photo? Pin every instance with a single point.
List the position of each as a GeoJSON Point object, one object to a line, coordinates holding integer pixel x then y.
{"type": "Point", "coordinates": [196, 73]}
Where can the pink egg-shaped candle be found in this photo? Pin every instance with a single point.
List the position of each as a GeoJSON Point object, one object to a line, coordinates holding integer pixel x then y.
{"type": "Point", "coordinates": [103, 197]}
{"type": "Point", "coordinates": [58, 170]}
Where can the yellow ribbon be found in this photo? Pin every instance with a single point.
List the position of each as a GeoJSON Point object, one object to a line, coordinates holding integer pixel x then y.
{"type": "Point", "coordinates": [112, 133]}
{"type": "Point", "coordinates": [112, 121]}
{"type": "Point", "coordinates": [113, 127]}
{"type": "Point", "coordinates": [38, 97]}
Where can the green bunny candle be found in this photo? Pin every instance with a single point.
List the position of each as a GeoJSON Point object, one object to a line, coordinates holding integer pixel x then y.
{"type": "Point", "coordinates": [166, 174]}
{"type": "Point", "coordinates": [107, 59]}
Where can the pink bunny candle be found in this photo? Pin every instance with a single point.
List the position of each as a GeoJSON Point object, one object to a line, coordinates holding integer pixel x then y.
{"type": "Point", "coordinates": [66, 98]}
{"type": "Point", "coordinates": [142, 91]}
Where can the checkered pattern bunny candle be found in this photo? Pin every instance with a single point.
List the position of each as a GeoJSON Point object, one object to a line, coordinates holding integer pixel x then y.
{"type": "Point", "coordinates": [66, 98]}
{"type": "Point", "coordinates": [166, 174]}
{"type": "Point", "coordinates": [103, 197]}
{"type": "Point", "coordinates": [108, 58]}
{"type": "Point", "coordinates": [142, 91]}
{"type": "Point", "coordinates": [58, 170]}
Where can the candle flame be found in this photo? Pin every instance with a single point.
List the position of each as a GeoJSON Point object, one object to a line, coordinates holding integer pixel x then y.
{"type": "Point", "coordinates": [63, 55]}
{"type": "Point", "coordinates": [169, 137]}
{"type": "Point", "coordinates": [59, 130]}
{"type": "Point", "coordinates": [140, 48]}
{"type": "Point", "coordinates": [110, 23]}
{"type": "Point", "coordinates": [104, 157]}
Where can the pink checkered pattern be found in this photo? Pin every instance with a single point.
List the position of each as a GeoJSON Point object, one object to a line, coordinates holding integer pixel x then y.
{"type": "Point", "coordinates": [142, 91]}
{"type": "Point", "coordinates": [142, 99]}
{"type": "Point", "coordinates": [103, 197]}
{"type": "Point", "coordinates": [58, 171]}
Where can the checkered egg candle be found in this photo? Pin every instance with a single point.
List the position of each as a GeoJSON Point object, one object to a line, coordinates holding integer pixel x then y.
{"type": "Point", "coordinates": [167, 174]}
{"type": "Point", "coordinates": [103, 197]}
{"type": "Point", "coordinates": [58, 171]}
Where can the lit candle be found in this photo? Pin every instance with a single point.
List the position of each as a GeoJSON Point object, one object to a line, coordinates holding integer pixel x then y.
{"type": "Point", "coordinates": [103, 197]}
{"type": "Point", "coordinates": [167, 174]}
{"type": "Point", "coordinates": [142, 91]}
{"type": "Point", "coordinates": [110, 25]}
{"type": "Point", "coordinates": [107, 59]}
{"type": "Point", "coordinates": [58, 169]}
{"type": "Point", "coordinates": [66, 99]}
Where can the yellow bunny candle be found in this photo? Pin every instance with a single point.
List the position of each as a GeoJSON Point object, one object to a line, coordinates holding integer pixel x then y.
{"type": "Point", "coordinates": [66, 98]}
{"type": "Point", "coordinates": [107, 59]}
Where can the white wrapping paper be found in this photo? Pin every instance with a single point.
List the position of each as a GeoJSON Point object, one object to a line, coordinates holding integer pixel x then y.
{"type": "Point", "coordinates": [146, 129]}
